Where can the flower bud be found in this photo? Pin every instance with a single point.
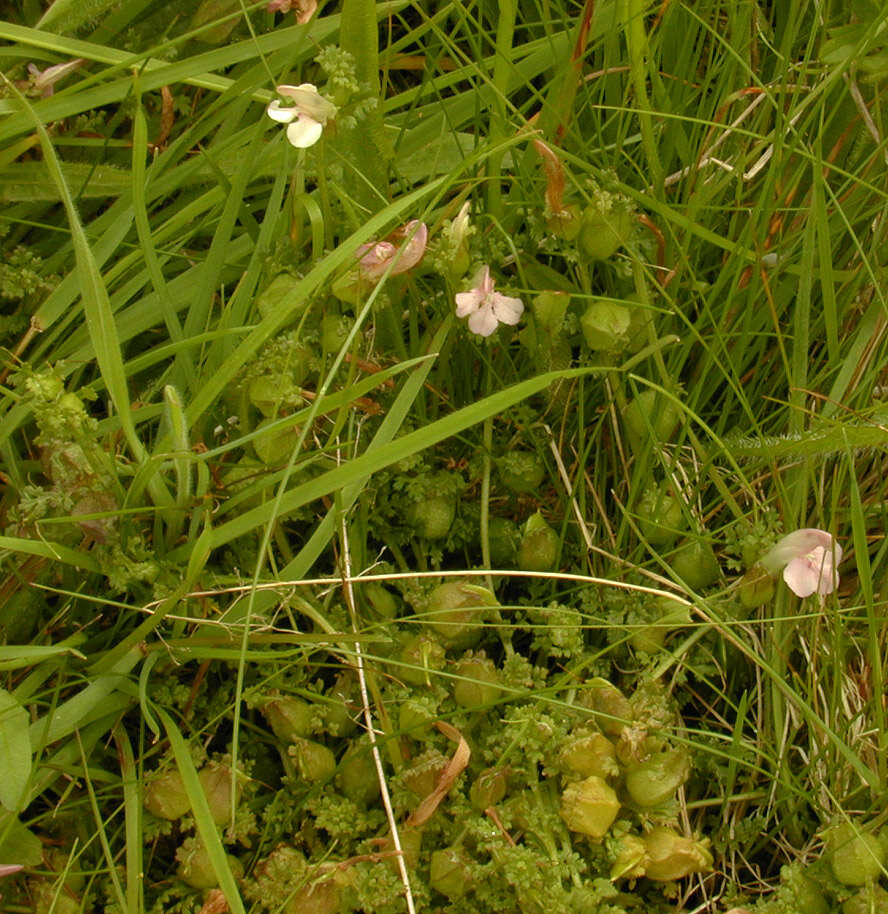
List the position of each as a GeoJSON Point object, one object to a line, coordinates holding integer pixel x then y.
{"type": "Point", "coordinates": [855, 856]}
{"type": "Point", "coordinates": [456, 611]}
{"type": "Point", "coordinates": [650, 638]}
{"type": "Point", "coordinates": [671, 856]}
{"type": "Point", "coordinates": [589, 806]}
{"type": "Point", "coordinates": [289, 718]}
{"type": "Point", "coordinates": [606, 326]}
{"type": "Point", "coordinates": [587, 755]}
{"type": "Point", "coordinates": [414, 719]}
{"type": "Point", "coordinates": [602, 233]}
{"type": "Point", "coordinates": [421, 655]}
{"type": "Point", "coordinates": [315, 762]}
{"type": "Point", "coordinates": [655, 780]}
{"type": "Point", "coordinates": [479, 685]}
{"type": "Point", "coordinates": [539, 545]}
{"type": "Point", "coordinates": [612, 709]}
{"type": "Point", "coordinates": [489, 788]}
{"type": "Point", "coordinates": [216, 778]}
{"type": "Point", "coordinates": [521, 472]}
{"type": "Point", "coordinates": [450, 872]}
{"type": "Point", "coordinates": [165, 796]}
{"type": "Point", "coordinates": [277, 292]}
{"type": "Point", "coordinates": [695, 563]}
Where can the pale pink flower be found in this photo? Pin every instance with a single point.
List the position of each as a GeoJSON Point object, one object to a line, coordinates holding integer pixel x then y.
{"type": "Point", "coordinates": [8, 869]}
{"type": "Point", "coordinates": [809, 558]}
{"type": "Point", "coordinates": [401, 250]}
{"type": "Point", "coordinates": [304, 9]}
{"type": "Point", "coordinates": [486, 308]}
{"type": "Point", "coordinates": [306, 117]}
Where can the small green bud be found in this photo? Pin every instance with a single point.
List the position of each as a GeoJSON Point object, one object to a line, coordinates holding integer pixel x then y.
{"type": "Point", "coordinates": [655, 780]}
{"type": "Point", "coordinates": [602, 233]}
{"type": "Point", "coordinates": [421, 656]}
{"type": "Point", "coordinates": [587, 755]}
{"type": "Point", "coordinates": [289, 718]}
{"type": "Point", "coordinates": [414, 719]}
{"type": "Point", "coordinates": [671, 856]}
{"type": "Point", "coordinates": [695, 563]}
{"type": "Point", "coordinates": [321, 895]}
{"type": "Point", "coordinates": [589, 806]}
{"type": "Point", "coordinates": [539, 545]}
{"type": "Point", "coordinates": [315, 762]}
{"type": "Point", "coordinates": [855, 856]}
{"type": "Point", "coordinates": [521, 472]}
{"type": "Point", "coordinates": [489, 788]}
{"type": "Point", "coordinates": [450, 872]}
{"type": "Point", "coordinates": [650, 413]}
{"type": "Point", "coordinates": [334, 331]}
{"type": "Point", "coordinates": [457, 611]}
{"type": "Point", "coordinates": [756, 587]}
{"type": "Point", "coordinates": [480, 685]}
{"type": "Point", "coordinates": [271, 395]}
{"type": "Point", "coordinates": [660, 515]}
{"type": "Point", "coordinates": [165, 796]}
{"type": "Point", "coordinates": [612, 709]}
{"type": "Point", "coordinates": [216, 781]}
{"type": "Point", "coordinates": [606, 325]}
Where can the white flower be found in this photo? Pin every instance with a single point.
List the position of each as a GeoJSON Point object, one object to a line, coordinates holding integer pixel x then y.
{"type": "Point", "coordinates": [486, 308]}
{"type": "Point", "coordinates": [809, 558]}
{"type": "Point", "coordinates": [306, 117]}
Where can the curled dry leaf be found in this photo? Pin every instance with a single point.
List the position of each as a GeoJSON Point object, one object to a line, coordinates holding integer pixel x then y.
{"type": "Point", "coordinates": [454, 769]}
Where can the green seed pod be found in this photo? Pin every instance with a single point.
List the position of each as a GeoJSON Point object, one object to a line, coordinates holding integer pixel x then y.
{"type": "Point", "coordinates": [695, 563]}
{"type": "Point", "coordinates": [382, 602]}
{"type": "Point", "coordinates": [650, 638]}
{"type": "Point", "coordinates": [480, 685]}
{"type": "Point", "coordinates": [289, 718]}
{"type": "Point", "coordinates": [322, 893]}
{"type": "Point", "coordinates": [422, 776]}
{"type": "Point", "coordinates": [606, 326]}
{"type": "Point", "coordinates": [602, 233]}
{"type": "Point", "coordinates": [587, 755]}
{"type": "Point", "coordinates": [411, 844]}
{"type": "Point", "coordinates": [216, 778]}
{"type": "Point", "coordinates": [421, 656]}
{"type": "Point", "coordinates": [269, 395]}
{"type": "Point", "coordinates": [47, 898]}
{"type": "Point", "coordinates": [432, 517]}
{"type": "Point", "coordinates": [489, 788]}
{"type": "Point", "coordinates": [343, 707]}
{"type": "Point", "coordinates": [315, 762]}
{"type": "Point", "coordinates": [671, 856]}
{"type": "Point", "coordinates": [650, 413]}
{"type": "Point", "coordinates": [855, 856]}
{"type": "Point", "coordinates": [660, 515]}
{"type": "Point", "coordinates": [521, 472]}
{"type": "Point", "coordinates": [566, 223]}
{"type": "Point", "coordinates": [549, 309]}
{"type": "Point", "coordinates": [272, 299]}
{"type": "Point", "coordinates": [450, 872]}
{"type": "Point", "coordinates": [195, 868]}
{"type": "Point", "coordinates": [165, 796]}
{"type": "Point", "coordinates": [274, 447]}
{"type": "Point", "coordinates": [503, 536]}
{"type": "Point", "coordinates": [612, 709]}
{"type": "Point", "coordinates": [98, 529]}
{"type": "Point", "coordinates": [655, 780]}
{"type": "Point", "coordinates": [358, 779]}
{"type": "Point", "coordinates": [539, 545]}
{"type": "Point", "coordinates": [756, 587]}
{"type": "Point", "coordinates": [589, 806]}
{"type": "Point", "coordinates": [872, 899]}
{"type": "Point", "coordinates": [631, 855]}
{"type": "Point", "coordinates": [457, 611]}
{"type": "Point", "coordinates": [334, 331]}
{"type": "Point", "coordinates": [415, 719]}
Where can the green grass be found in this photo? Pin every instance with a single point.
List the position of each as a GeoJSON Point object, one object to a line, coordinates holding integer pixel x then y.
{"type": "Point", "coordinates": [234, 474]}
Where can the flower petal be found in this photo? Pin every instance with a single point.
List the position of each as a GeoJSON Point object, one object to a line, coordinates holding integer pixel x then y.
{"type": "Point", "coordinates": [304, 132]}
{"type": "Point", "coordinates": [799, 543]}
{"type": "Point", "coordinates": [506, 309]}
{"type": "Point", "coordinates": [281, 115]}
{"type": "Point", "coordinates": [309, 101]}
{"type": "Point", "coordinates": [468, 302]}
{"type": "Point", "coordinates": [416, 234]}
{"type": "Point", "coordinates": [801, 578]}
{"type": "Point", "coordinates": [483, 321]}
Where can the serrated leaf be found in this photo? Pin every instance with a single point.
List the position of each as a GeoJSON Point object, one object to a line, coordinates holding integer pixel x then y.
{"type": "Point", "coordinates": [15, 752]}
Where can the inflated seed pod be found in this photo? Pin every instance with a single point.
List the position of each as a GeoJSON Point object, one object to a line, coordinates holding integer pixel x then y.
{"type": "Point", "coordinates": [270, 395]}
{"type": "Point", "coordinates": [422, 776]}
{"type": "Point", "coordinates": [480, 683]}
{"type": "Point", "coordinates": [602, 233]}
{"type": "Point", "coordinates": [489, 788]}
{"type": "Point", "coordinates": [872, 899]}
{"type": "Point", "coordinates": [432, 517]}
{"type": "Point", "coordinates": [655, 780]}
{"type": "Point", "coordinates": [671, 856]}
{"type": "Point", "coordinates": [650, 413]}
{"type": "Point", "coordinates": [47, 899]}
{"type": "Point", "coordinates": [521, 472]}
{"type": "Point", "coordinates": [421, 657]}
{"type": "Point", "coordinates": [612, 709]}
{"type": "Point", "coordinates": [341, 711]}
{"type": "Point", "coordinates": [650, 638]}
{"type": "Point", "coordinates": [274, 294]}
{"type": "Point", "coordinates": [855, 856]}
{"type": "Point", "coordinates": [411, 844]}
{"type": "Point", "coordinates": [289, 718]}
{"type": "Point", "coordinates": [630, 858]}
{"type": "Point", "coordinates": [450, 872]}
{"type": "Point", "coordinates": [456, 611]}
{"type": "Point", "coordinates": [358, 779]}
{"type": "Point", "coordinates": [275, 446]}
{"type": "Point", "coordinates": [756, 587]}
{"type": "Point", "coordinates": [382, 602]}
{"type": "Point", "coordinates": [215, 779]}
{"type": "Point", "coordinates": [415, 719]}
{"type": "Point", "coordinates": [195, 868]}
{"type": "Point", "coordinates": [504, 537]}
{"type": "Point", "coordinates": [322, 893]}
{"type": "Point", "coordinates": [589, 806]}
{"type": "Point", "coordinates": [539, 545]}
{"type": "Point", "coordinates": [695, 563]}
{"type": "Point", "coordinates": [566, 222]}
{"type": "Point", "coordinates": [314, 761]}
{"type": "Point", "coordinates": [165, 796]}
{"type": "Point", "coordinates": [660, 515]}
{"type": "Point", "coordinates": [589, 754]}
{"type": "Point", "coordinates": [606, 326]}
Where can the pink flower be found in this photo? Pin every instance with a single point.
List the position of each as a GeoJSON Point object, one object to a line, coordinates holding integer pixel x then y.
{"type": "Point", "coordinates": [304, 9]}
{"type": "Point", "coordinates": [486, 308]}
{"type": "Point", "coordinates": [402, 250]}
{"type": "Point", "coordinates": [7, 869]}
{"type": "Point", "coordinates": [809, 558]}
{"type": "Point", "coordinates": [306, 117]}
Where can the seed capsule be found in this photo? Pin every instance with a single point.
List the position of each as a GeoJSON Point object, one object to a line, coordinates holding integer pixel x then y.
{"type": "Point", "coordinates": [165, 796]}
{"type": "Point", "coordinates": [655, 780]}
{"type": "Point", "coordinates": [450, 872]}
{"type": "Point", "coordinates": [671, 856]}
{"type": "Point", "coordinates": [589, 806]}
{"type": "Point", "coordinates": [855, 856]}
{"type": "Point", "coordinates": [456, 611]}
